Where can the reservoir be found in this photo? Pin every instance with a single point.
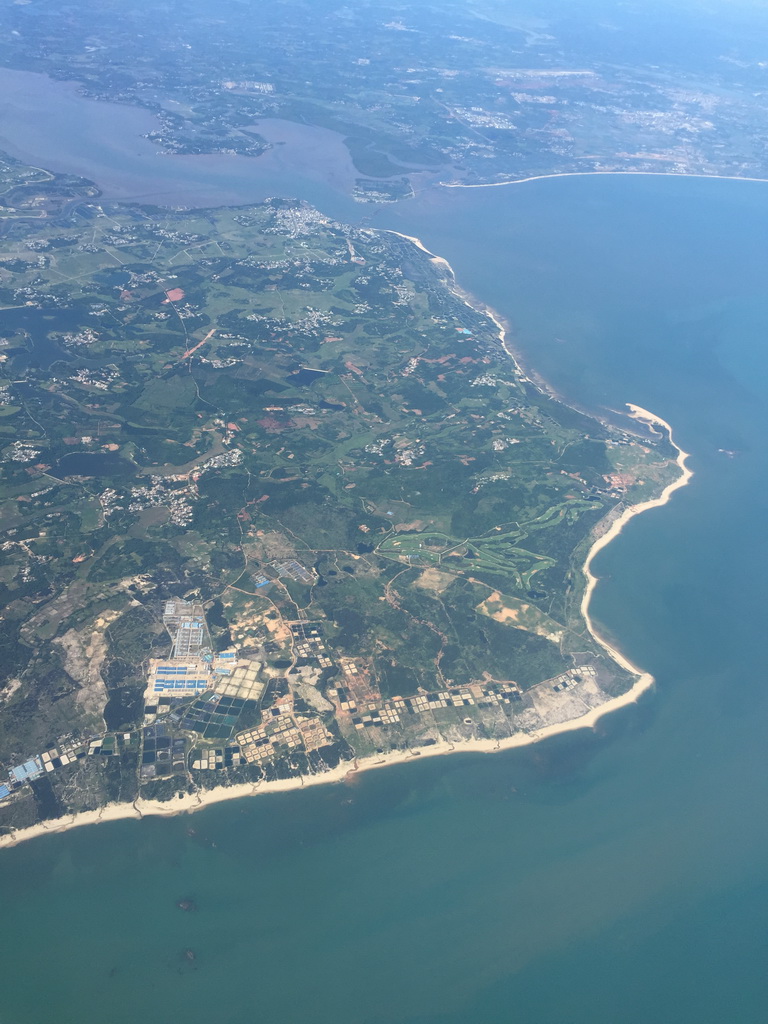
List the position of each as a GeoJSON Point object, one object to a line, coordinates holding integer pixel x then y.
{"type": "Point", "coordinates": [599, 877]}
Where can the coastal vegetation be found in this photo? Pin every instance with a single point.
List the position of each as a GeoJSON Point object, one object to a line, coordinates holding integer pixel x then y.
{"type": "Point", "coordinates": [305, 427]}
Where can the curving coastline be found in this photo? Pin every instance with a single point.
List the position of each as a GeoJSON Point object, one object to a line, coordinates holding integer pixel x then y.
{"type": "Point", "coordinates": [346, 771]}
{"type": "Point", "coordinates": [589, 174]}
{"type": "Point", "coordinates": [420, 245]}
{"type": "Point", "coordinates": [643, 416]}
{"type": "Point", "coordinates": [469, 300]}
{"type": "Point", "coordinates": [644, 679]}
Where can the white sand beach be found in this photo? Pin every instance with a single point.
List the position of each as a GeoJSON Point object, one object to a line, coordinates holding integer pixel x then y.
{"type": "Point", "coordinates": [346, 771]}
{"type": "Point", "coordinates": [590, 174]}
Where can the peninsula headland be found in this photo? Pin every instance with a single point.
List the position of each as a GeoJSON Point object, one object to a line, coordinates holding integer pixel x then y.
{"type": "Point", "coordinates": [279, 506]}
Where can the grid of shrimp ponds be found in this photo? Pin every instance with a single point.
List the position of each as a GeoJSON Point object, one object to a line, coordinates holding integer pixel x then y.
{"type": "Point", "coordinates": [215, 716]}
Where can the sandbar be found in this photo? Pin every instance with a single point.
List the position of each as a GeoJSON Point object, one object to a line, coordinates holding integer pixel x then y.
{"type": "Point", "coordinates": [589, 174]}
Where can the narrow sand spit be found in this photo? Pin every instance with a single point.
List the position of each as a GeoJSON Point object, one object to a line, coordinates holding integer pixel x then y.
{"type": "Point", "coordinates": [590, 174]}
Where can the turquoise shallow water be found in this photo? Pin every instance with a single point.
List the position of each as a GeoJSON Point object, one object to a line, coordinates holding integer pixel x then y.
{"type": "Point", "coordinates": [615, 876]}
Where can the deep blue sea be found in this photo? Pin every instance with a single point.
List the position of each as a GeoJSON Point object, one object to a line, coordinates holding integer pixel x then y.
{"type": "Point", "coordinates": [614, 877]}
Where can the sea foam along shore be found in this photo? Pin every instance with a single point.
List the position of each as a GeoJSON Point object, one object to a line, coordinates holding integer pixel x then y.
{"type": "Point", "coordinates": [347, 770]}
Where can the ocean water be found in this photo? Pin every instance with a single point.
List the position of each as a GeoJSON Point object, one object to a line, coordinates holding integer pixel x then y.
{"type": "Point", "coordinates": [615, 875]}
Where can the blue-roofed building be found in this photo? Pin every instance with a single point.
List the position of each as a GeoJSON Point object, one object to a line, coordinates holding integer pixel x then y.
{"type": "Point", "coordinates": [4, 791]}
{"type": "Point", "coordinates": [175, 680]}
{"type": "Point", "coordinates": [28, 771]}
